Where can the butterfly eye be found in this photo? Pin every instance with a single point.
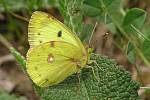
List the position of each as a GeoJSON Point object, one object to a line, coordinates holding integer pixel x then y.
{"type": "Point", "coordinates": [50, 58]}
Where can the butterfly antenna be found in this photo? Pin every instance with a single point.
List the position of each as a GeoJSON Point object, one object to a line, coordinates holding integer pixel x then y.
{"type": "Point", "coordinates": [93, 32]}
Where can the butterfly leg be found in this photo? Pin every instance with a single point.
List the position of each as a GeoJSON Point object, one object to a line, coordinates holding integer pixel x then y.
{"type": "Point", "coordinates": [78, 75]}
{"type": "Point", "coordinates": [79, 83]}
{"type": "Point", "coordinates": [93, 61]}
{"type": "Point", "coordinates": [93, 72]}
{"type": "Point", "coordinates": [89, 66]}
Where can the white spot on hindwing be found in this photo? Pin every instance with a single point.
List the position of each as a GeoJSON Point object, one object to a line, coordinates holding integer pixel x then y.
{"type": "Point", "coordinates": [50, 58]}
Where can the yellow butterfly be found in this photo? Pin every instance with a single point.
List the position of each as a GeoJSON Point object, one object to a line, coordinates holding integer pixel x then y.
{"type": "Point", "coordinates": [55, 51]}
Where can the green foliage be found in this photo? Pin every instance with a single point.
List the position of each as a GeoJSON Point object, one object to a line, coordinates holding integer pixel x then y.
{"type": "Point", "coordinates": [132, 22]}
{"type": "Point", "coordinates": [135, 17]}
{"type": "Point", "coordinates": [131, 53]}
{"type": "Point", "coordinates": [30, 5]}
{"type": "Point", "coordinates": [92, 9]}
{"type": "Point", "coordinates": [86, 32]}
{"type": "Point", "coordinates": [72, 13]}
{"type": "Point", "coordinates": [128, 23]}
{"type": "Point", "coordinates": [113, 83]}
{"type": "Point", "coordinates": [6, 96]}
{"type": "Point", "coordinates": [146, 49]}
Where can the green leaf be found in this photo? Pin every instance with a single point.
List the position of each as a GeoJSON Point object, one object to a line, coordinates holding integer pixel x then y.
{"type": "Point", "coordinates": [131, 54]}
{"type": "Point", "coordinates": [93, 3]}
{"type": "Point", "coordinates": [72, 13]}
{"type": "Point", "coordinates": [113, 83]}
{"type": "Point", "coordinates": [92, 8]}
{"type": "Point", "coordinates": [20, 59]}
{"type": "Point", "coordinates": [87, 32]}
{"type": "Point", "coordinates": [107, 11]}
{"type": "Point", "coordinates": [135, 17]}
{"type": "Point", "coordinates": [146, 49]}
{"type": "Point", "coordinates": [113, 8]}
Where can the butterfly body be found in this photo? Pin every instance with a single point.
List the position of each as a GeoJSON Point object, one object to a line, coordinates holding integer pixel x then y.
{"type": "Point", "coordinates": [55, 52]}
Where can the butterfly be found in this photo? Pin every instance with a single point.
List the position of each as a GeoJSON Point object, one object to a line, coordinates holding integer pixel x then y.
{"type": "Point", "coordinates": [55, 51]}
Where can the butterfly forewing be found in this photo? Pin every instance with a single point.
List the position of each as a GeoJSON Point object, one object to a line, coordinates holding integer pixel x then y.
{"type": "Point", "coordinates": [44, 28]}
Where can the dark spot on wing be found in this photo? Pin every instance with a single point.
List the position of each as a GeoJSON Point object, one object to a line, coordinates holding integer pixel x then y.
{"type": "Point", "coordinates": [38, 55]}
{"type": "Point", "coordinates": [39, 34]}
{"type": "Point", "coordinates": [59, 34]}
{"type": "Point", "coordinates": [46, 80]}
{"type": "Point", "coordinates": [40, 41]}
{"type": "Point", "coordinates": [78, 66]}
{"type": "Point", "coordinates": [52, 44]}
{"type": "Point", "coordinates": [35, 68]}
{"type": "Point", "coordinates": [39, 75]}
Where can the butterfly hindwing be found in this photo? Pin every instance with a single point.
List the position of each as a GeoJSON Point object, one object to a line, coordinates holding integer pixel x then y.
{"type": "Point", "coordinates": [51, 62]}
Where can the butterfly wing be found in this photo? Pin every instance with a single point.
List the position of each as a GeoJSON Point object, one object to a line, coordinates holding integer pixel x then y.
{"type": "Point", "coordinates": [51, 62]}
{"type": "Point", "coordinates": [44, 28]}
